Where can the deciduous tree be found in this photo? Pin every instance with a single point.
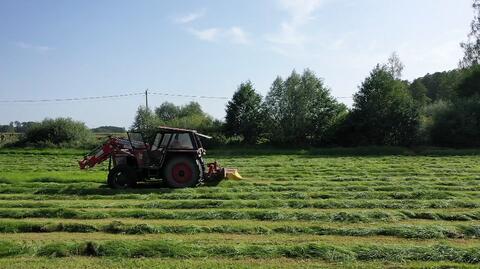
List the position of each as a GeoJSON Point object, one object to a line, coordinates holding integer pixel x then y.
{"type": "Point", "coordinates": [472, 46]}
{"type": "Point", "coordinates": [244, 113]}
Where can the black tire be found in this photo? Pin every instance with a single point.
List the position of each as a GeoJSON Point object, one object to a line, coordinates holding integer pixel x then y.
{"type": "Point", "coordinates": [182, 172]}
{"type": "Point", "coordinates": [122, 177]}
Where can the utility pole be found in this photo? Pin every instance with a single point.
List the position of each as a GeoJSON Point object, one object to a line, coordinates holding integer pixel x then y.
{"type": "Point", "coordinates": [146, 98]}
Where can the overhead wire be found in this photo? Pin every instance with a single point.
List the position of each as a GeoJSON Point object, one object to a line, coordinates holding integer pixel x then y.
{"type": "Point", "coordinates": [190, 96]}
{"type": "Point", "coordinates": [121, 95]}
{"type": "Point", "coordinates": [68, 99]}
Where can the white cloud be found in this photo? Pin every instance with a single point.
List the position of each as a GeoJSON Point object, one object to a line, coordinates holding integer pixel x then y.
{"type": "Point", "coordinates": [300, 10]}
{"type": "Point", "coordinates": [300, 13]}
{"type": "Point", "coordinates": [210, 34]}
{"type": "Point", "coordinates": [190, 17]}
{"type": "Point", "coordinates": [234, 35]}
{"type": "Point", "coordinates": [24, 45]}
{"type": "Point", "coordinates": [238, 35]}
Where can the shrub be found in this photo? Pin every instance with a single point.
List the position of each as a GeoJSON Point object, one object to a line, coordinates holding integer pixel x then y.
{"type": "Point", "coordinates": [59, 132]}
{"type": "Point", "coordinates": [459, 125]}
{"type": "Point", "coordinates": [428, 115]}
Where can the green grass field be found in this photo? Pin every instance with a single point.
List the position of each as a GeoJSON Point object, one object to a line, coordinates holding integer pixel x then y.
{"type": "Point", "coordinates": [295, 209]}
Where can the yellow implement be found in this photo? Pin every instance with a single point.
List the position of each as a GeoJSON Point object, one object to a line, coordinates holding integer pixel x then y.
{"type": "Point", "coordinates": [232, 174]}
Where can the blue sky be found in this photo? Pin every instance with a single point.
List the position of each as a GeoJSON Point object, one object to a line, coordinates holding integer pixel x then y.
{"type": "Point", "coordinates": [64, 49]}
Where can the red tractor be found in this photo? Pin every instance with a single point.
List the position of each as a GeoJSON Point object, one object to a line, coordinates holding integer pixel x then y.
{"type": "Point", "coordinates": [175, 156]}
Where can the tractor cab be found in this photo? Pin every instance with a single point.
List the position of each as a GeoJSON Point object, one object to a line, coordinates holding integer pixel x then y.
{"type": "Point", "coordinates": [173, 139]}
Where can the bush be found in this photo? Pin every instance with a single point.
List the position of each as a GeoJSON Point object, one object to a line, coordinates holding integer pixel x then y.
{"type": "Point", "coordinates": [59, 132]}
{"type": "Point", "coordinates": [428, 115]}
{"type": "Point", "coordinates": [459, 125]}
{"type": "Point", "coordinates": [470, 85]}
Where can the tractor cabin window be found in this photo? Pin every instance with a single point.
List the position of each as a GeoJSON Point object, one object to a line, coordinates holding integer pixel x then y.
{"type": "Point", "coordinates": [181, 141]}
{"type": "Point", "coordinates": [156, 142]}
{"type": "Point", "coordinates": [166, 138]}
{"type": "Point", "coordinates": [136, 140]}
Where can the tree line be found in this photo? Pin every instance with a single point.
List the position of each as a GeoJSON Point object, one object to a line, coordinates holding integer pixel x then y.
{"type": "Point", "coordinates": [440, 109]}
{"type": "Point", "coordinates": [23, 127]}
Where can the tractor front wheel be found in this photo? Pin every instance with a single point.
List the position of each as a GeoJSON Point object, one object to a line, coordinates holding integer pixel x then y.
{"type": "Point", "coordinates": [122, 177]}
{"type": "Point", "coordinates": [182, 172]}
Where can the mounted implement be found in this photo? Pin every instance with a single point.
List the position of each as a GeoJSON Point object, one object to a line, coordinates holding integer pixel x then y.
{"type": "Point", "coordinates": [175, 156]}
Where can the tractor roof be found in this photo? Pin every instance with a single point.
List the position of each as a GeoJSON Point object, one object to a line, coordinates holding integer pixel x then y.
{"type": "Point", "coordinates": [180, 130]}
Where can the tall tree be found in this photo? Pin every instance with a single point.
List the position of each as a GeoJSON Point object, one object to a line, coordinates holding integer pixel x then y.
{"type": "Point", "coordinates": [191, 109]}
{"type": "Point", "coordinates": [274, 104]}
{"type": "Point", "coordinates": [301, 110]}
{"type": "Point", "coordinates": [145, 120]}
{"type": "Point", "coordinates": [384, 112]}
{"type": "Point", "coordinates": [167, 111]}
{"type": "Point", "coordinates": [190, 116]}
{"type": "Point", "coordinates": [472, 46]}
{"type": "Point", "coordinates": [470, 85]}
{"type": "Point", "coordinates": [244, 113]}
{"type": "Point", "coordinates": [458, 125]}
{"type": "Point", "coordinates": [395, 66]}
{"type": "Point", "coordinates": [419, 93]}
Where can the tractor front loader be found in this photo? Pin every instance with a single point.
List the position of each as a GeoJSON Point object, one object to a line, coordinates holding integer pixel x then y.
{"type": "Point", "coordinates": [175, 156]}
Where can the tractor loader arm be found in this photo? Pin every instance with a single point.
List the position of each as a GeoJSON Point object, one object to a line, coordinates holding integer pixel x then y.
{"type": "Point", "coordinates": [104, 152]}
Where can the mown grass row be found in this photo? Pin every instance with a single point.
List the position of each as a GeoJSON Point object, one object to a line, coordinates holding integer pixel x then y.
{"type": "Point", "coordinates": [82, 262]}
{"type": "Point", "coordinates": [239, 204]}
{"type": "Point", "coordinates": [328, 183]}
{"type": "Point", "coordinates": [222, 214]}
{"type": "Point", "coordinates": [178, 249]}
{"type": "Point", "coordinates": [225, 194]}
{"type": "Point", "coordinates": [161, 194]}
{"type": "Point", "coordinates": [327, 186]}
{"type": "Point", "coordinates": [117, 227]}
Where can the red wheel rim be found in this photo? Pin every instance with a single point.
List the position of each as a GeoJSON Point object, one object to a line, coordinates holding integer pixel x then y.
{"type": "Point", "coordinates": [182, 173]}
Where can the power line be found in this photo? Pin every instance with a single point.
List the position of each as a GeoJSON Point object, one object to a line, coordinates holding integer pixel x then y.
{"type": "Point", "coordinates": [69, 99]}
{"type": "Point", "coordinates": [110, 97]}
{"type": "Point", "coordinates": [190, 96]}
{"type": "Point", "coordinates": [124, 95]}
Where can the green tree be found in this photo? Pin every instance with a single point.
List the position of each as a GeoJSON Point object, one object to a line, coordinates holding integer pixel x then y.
{"type": "Point", "coordinates": [458, 125]}
{"type": "Point", "coordinates": [167, 111]}
{"type": "Point", "coordinates": [472, 46]}
{"type": "Point", "coordinates": [145, 120]}
{"type": "Point", "coordinates": [470, 85]}
{"type": "Point", "coordinates": [384, 112]}
{"type": "Point", "coordinates": [190, 116]}
{"type": "Point", "coordinates": [419, 93]}
{"type": "Point", "coordinates": [442, 85]}
{"type": "Point", "coordinates": [429, 114]}
{"type": "Point", "coordinates": [274, 106]}
{"type": "Point", "coordinates": [191, 109]}
{"type": "Point", "coordinates": [395, 66]}
{"type": "Point", "coordinates": [243, 113]}
{"type": "Point", "coordinates": [300, 110]}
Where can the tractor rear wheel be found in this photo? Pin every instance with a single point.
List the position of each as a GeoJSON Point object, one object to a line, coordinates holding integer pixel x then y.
{"type": "Point", "coordinates": [121, 177]}
{"type": "Point", "coordinates": [182, 172]}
